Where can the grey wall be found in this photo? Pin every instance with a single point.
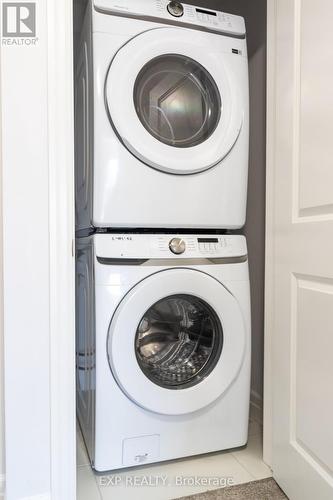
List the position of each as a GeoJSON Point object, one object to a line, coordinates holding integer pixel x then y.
{"type": "Point", "coordinates": [254, 12]}
{"type": "Point", "coordinates": [79, 7]}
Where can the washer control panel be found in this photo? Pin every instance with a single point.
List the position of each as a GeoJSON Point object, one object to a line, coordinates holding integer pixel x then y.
{"type": "Point", "coordinates": [169, 246]}
{"type": "Point", "coordinates": [175, 11]}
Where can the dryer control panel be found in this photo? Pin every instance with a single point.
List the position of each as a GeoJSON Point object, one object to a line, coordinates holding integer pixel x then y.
{"type": "Point", "coordinates": [175, 12]}
{"type": "Point", "coordinates": [169, 246]}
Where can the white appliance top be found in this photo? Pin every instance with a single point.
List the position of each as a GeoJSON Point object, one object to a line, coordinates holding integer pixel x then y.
{"type": "Point", "coordinates": [169, 246]}
{"type": "Point", "coordinates": [175, 12]}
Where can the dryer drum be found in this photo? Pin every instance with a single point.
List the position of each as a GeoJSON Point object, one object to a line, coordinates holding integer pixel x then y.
{"type": "Point", "coordinates": [177, 100]}
{"type": "Point", "coordinates": [178, 341]}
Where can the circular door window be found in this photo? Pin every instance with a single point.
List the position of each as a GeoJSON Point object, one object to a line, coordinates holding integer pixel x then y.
{"type": "Point", "coordinates": [176, 329]}
{"type": "Point", "coordinates": [177, 100]}
{"type": "Point", "coordinates": [178, 341]}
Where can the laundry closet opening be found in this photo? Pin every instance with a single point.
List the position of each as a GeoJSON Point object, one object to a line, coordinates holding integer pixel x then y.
{"type": "Point", "coordinates": [124, 253]}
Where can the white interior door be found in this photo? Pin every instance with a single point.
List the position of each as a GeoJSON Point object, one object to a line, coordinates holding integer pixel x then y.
{"type": "Point", "coordinates": [302, 262]}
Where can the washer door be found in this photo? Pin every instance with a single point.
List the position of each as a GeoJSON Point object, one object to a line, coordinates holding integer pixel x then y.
{"type": "Point", "coordinates": [176, 341]}
{"type": "Point", "coordinates": [172, 102]}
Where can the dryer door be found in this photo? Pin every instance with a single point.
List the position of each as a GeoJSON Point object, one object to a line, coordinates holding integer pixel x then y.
{"type": "Point", "coordinates": [173, 102]}
{"type": "Point", "coordinates": [176, 341]}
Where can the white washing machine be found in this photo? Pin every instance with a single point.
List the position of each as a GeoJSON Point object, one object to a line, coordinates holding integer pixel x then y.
{"type": "Point", "coordinates": [162, 118]}
{"type": "Point", "coordinates": [163, 347]}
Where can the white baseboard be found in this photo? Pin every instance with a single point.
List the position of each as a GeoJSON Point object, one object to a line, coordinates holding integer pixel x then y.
{"type": "Point", "coordinates": [2, 485]}
{"type": "Point", "coordinates": [256, 407]}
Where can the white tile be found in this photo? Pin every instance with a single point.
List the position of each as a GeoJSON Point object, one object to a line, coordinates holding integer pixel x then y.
{"type": "Point", "coordinates": [86, 488]}
{"type": "Point", "coordinates": [240, 466]}
{"type": "Point", "coordinates": [164, 477]}
{"type": "Point", "coordinates": [81, 452]}
{"type": "Point", "coordinates": [251, 458]}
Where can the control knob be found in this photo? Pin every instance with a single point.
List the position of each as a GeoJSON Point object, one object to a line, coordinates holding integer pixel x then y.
{"type": "Point", "coordinates": [175, 9]}
{"type": "Point", "coordinates": [177, 246]}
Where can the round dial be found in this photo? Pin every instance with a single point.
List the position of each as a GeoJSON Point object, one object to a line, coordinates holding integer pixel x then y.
{"type": "Point", "coordinates": [177, 246]}
{"type": "Point", "coordinates": [175, 9]}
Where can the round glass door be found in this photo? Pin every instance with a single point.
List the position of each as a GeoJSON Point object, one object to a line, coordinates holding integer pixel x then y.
{"type": "Point", "coordinates": [178, 341]}
{"type": "Point", "coordinates": [177, 100]}
{"type": "Point", "coordinates": [176, 329]}
{"type": "Point", "coordinates": [174, 100]}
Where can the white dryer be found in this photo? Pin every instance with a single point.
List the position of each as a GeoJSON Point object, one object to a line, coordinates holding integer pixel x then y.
{"type": "Point", "coordinates": [163, 347]}
{"type": "Point", "coordinates": [162, 118]}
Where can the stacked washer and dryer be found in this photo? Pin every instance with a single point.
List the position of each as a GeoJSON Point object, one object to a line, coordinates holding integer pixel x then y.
{"type": "Point", "coordinates": [163, 304]}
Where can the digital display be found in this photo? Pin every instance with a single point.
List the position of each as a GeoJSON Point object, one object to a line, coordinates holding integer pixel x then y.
{"type": "Point", "coordinates": [209, 12]}
{"type": "Point", "coordinates": [208, 240]}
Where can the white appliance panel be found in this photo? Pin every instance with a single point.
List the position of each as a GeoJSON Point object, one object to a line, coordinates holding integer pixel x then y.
{"type": "Point", "coordinates": [125, 185]}
{"type": "Point", "coordinates": [126, 432]}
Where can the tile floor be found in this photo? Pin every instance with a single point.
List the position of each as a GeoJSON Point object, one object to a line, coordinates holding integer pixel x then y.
{"type": "Point", "coordinates": [236, 466]}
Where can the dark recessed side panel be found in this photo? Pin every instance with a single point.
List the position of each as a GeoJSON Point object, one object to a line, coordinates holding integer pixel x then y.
{"type": "Point", "coordinates": [85, 341]}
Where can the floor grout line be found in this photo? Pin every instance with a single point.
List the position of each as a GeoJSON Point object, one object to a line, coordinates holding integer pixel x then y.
{"type": "Point", "coordinates": [243, 467]}
{"type": "Point", "coordinates": [100, 497]}
{"type": "Point", "coordinates": [98, 487]}
{"type": "Point", "coordinates": [78, 466]}
{"type": "Point", "coordinates": [248, 471]}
